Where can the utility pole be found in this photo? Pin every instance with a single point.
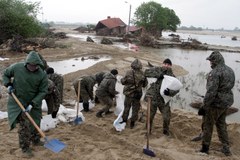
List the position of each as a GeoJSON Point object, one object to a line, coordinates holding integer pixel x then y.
{"type": "Point", "coordinates": [129, 17]}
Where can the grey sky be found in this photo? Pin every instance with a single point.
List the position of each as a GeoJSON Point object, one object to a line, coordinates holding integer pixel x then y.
{"type": "Point", "coordinates": [199, 13]}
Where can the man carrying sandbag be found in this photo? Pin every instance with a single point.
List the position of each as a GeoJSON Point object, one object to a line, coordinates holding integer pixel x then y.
{"type": "Point", "coordinates": [157, 99]}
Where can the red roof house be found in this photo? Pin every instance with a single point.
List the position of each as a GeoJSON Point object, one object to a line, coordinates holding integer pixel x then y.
{"type": "Point", "coordinates": [110, 26]}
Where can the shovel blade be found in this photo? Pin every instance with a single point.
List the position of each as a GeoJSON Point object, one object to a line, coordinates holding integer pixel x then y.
{"type": "Point", "coordinates": [149, 152]}
{"type": "Point", "coordinates": [54, 145]}
{"type": "Point", "coordinates": [78, 120]}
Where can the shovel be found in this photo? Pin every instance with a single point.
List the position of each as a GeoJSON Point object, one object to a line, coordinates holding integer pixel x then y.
{"type": "Point", "coordinates": [54, 144]}
{"type": "Point", "coordinates": [146, 149]}
{"type": "Point", "coordinates": [78, 120]}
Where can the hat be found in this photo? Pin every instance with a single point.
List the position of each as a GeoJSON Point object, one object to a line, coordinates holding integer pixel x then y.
{"type": "Point", "coordinates": [114, 72]}
{"type": "Point", "coordinates": [49, 70]}
{"type": "Point", "coordinates": [168, 61]}
{"type": "Point", "coordinates": [213, 55]}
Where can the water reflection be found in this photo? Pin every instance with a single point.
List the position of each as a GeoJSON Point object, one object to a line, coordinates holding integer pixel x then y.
{"type": "Point", "coordinates": [209, 39]}
{"type": "Point", "coordinates": [194, 83]}
{"type": "Point", "coordinates": [74, 64]}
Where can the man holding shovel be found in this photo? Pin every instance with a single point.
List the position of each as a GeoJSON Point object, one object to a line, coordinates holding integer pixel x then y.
{"type": "Point", "coordinates": [157, 99]}
{"type": "Point", "coordinates": [30, 85]}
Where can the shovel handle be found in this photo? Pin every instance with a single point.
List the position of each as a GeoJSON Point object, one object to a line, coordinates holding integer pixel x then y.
{"type": "Point", "coordinates": [148, 119]}
{"type": "Point", "coordinates": [78, 97]}
{"type": "Point", "coordinates": [28, 115]}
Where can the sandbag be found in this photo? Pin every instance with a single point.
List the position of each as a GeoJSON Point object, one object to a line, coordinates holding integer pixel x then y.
{"type": "Point", "coordinates": [119, 126]}
{"type": "Point", "coordinates": [172, 83]}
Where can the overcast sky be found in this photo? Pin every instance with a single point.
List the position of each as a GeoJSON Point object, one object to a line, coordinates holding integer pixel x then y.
{"type": "Point", "coordinates": [213, 14]}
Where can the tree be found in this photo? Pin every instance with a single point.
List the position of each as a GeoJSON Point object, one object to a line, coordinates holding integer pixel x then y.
{"type": "Point", "coordinates": [154, 18]}
{"type": "Point", "coordinates": [19, 18]}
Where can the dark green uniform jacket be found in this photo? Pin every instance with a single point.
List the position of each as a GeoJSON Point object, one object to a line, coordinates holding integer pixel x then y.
{"type": "Point", "coordinates": [29, 87]}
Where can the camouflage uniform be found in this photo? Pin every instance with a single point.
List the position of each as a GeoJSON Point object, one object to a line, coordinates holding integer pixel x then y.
{"type": "Point", "coordinates": [53, 99]}
{"type": "Point", "coordinates": [106, 92]}
{"type": "Point", "coordinates": [157, 100]}
{"type": "Point", "coordinates": [86, 89]}
{"type": "Point", "coordinates": [99, 78]}
{"type": "Point", "coordinates": [218, 98]}
{"type": "Point", "coordinates": [58, 81]}
{"type": "Point", "coordinates": [133, 81]}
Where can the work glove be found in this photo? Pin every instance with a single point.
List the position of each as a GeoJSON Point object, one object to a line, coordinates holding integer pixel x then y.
{"type": "Point", "coordinates": [166, 92]}
{"type": "Point", "coordinates": [201, 111]}
{"type": "Point", "coordinates": [29, 107]}
{"type": "Point", "coordinates": [10, 89]}
{"type": "Point", "coordinates": [161, 76]}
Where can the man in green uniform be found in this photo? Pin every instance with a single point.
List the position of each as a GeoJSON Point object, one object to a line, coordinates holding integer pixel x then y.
{"type": "Point", "coordinates": [133, 81]}
{"type": "Point", "coordinates": [53, 99]}
{"type": "Point", "coordinates": [154, 92]}
{"type": "Point", "coordinates": [86, 89]}
{"type": "Point", "coordinates": [30, 84]}
{"type": "Point", "coordinates": [218, 98]}
{"type": "Point", "coordinates": [57, 80]}
{"type": "Point", "coordinates": [106, 92]}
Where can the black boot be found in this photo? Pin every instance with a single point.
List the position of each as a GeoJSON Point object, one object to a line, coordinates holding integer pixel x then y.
{"type": "Point", "coordinates": [166, 132]}
{"type": "Point", "coordinates": [226, 151]}
{"type": "Point", "coordinates": [54, 114]}
{"type": "Point", "coordinates": [123, 121]}
{"type": "Point", "coordinates": [96, 100]}
{"type": "Point", "coordinates": [108, 112]}
{"type": "Point", "coordinates": [99, 114]}
{"type": "Point", "coordinates": [132, 124]}
{"type": "Point", "coordinates": [205, 149]}
{"type": "Point", "coordinates": [86, 106]}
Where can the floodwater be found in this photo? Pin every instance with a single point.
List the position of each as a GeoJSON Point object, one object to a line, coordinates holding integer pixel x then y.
{"type": "Point", "coordinates": [209, 39]}
{"type": "Point", "coordinates": [194, 82]}
{"type": "Point", "coordinates": [195, 63]}
{"type": "Point", "coordinates": [74, 64]}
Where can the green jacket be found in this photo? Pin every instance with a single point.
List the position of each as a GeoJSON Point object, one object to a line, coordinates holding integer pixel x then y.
{"type": "Point", "coordinates": [29, 87]}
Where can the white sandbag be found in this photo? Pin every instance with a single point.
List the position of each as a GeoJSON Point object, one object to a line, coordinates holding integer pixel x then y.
{"type": "Point", "coordinates": [119, 126]}
{"type": "Point", "coordinates": [68, 115]}
{"type": "Point", "coordinates": [48, 122]}
{"type": "Point", "coordinates": [44, 106]}
{"type": "Point", "coordinates": [172, 83]}
{"type": "Point", "coordinates": [3, 115]}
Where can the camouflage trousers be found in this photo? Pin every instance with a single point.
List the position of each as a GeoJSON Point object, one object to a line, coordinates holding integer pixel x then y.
{"type": "Point", "coordinates": [165, 111]}
{"type": "Point", "coordinates": [26, 133]}
{"type": "Point", "coordinates": [107, 102]}
{"type": "Point", "coordinates": [215, 116]}
{"type": "Point", "coordinates": [53, 103]}
{"type": "Point", "coordinates": [128, 103]}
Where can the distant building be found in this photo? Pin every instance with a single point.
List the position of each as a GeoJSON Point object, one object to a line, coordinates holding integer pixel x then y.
{"type": "Point", "coordinates": [134, 30]}
{"type": "Point", "coordinates": [110, 26]}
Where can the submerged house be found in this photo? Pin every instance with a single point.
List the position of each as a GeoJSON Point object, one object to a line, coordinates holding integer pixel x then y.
{"type": "Point", "coordinates": [110, 26]}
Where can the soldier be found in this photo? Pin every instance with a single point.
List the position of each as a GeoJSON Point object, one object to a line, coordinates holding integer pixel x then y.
{"type": "Point", "coordinates": [133, 81]}
{"type": "Point", "coordinates": [30, 85]}
{"type": "Point", "coordinates": [99, 78]}
{"type": "Point", "coordinates": [218, 98]}
{"type": "Point", "coordinates": [57, 80]}
{"type": "Point", "coordinates": [106, 92]}
{"type": "Point", "coordinates": [157, 99]}
{"type": "Point", "coordinates": [53, 99]}
{"type": "Point", "coordinates": [86, 89]}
